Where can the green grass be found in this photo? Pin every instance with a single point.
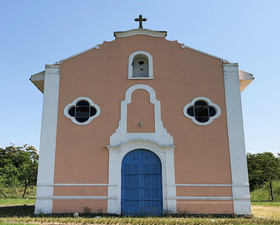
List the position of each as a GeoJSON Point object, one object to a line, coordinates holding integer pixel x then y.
{"type": "Point", "coordinates": [16, 224]}
{"type": "Point", "coordinates": [17, 192]}
{"type": "Point", "coordinates": [263, 193]}
{"type": "Point", "coordinates": [24, 215]}
{"type": "Point", "coordinates": [16, 201]}
{"type": "Point", "coordinates": [268, 203]}
{"type": "Point", "coordinates": [131, 221]}
{"type": "Point", "coordinates": [14, 196]}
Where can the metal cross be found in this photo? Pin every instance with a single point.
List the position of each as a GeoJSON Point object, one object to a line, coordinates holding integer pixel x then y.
{"type": "Point", "coordinates": [140, 20]}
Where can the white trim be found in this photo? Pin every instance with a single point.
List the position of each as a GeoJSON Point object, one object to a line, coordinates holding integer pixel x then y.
{"type": "Point", "coordinates": [48, 138]}
{"type": "Point", "coordinates": [38, 80]}
{"type": "Point", "coordinates": [160, 143]}
{"type": "Point", "coordinates": [130, 65]}
{"type": "Point", "coordinates": [74, 103]}
{"type": "Point", "coordinates": [167, 197]}
{"type": "Point", "coordinates": [212, 185]}
{"type": "Point", "coordinates": [72, 56]}
{"type": "Point", "coordinates": [46, 197]}
{"type": "Point", "coordinates": [166, 156]}
{"type": "Point", "coordinates": [142, 31]}
{"type": "Point", "coordinates": [243, 75]}
{"type": "Point", "coordinates": [209, 198]}
{"type": "Point", "coordinates": [160, 136]}
{"type": "Point", "coordinates": [140, 78]}
{"type": "Point", "coordinates": [210, 103]}
{"type": "Point", "coordinates": [245, 79]}
{"type": "Point", "coordinates": [81, 185]}
{"type": "Point", "coordinates": [186, 46]}
{"type": "Point", "coordinates": [71, 184]}
{"type": "Point", "coordinates": [236, 138]}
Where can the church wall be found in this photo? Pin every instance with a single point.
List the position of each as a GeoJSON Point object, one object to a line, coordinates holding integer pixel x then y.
{"type": "Point", "coordinates": [79, 206]}
{"type": "Point", "coordinates": [140, 110]}
{"type": "Point", "coordinates": [180, 75]}
{"type": "Point", "coordinates": [204, 207]}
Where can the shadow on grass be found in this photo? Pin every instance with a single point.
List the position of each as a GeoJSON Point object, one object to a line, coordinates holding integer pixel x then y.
{"type": "Point", "coordinates": [19, 211]}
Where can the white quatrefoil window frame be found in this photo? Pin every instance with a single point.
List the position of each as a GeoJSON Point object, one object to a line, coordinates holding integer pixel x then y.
{"type": "Point", "coordinates": [82, 111]}
{"type": "Point", "coordinates": [202, 111]}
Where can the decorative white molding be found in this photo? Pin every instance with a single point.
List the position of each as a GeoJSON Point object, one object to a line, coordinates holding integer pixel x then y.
{"type": "Point", "coordinates": [177, 185]}
{"type": "Point", "coordinates": [204, 53]}
{"type": "Point", "coordinates": [130, 65]}
{"type": "Point", "coordinates": [133, 32]}
{"type": "Point", "coordinates": [72, 104]}
{"type": "Point", "coordinates": [209, 198]}
{"type": "Point", "coordinates": [72, 56]}
{"type": "Point", "coordinates": [46, 197]}
{"type": "Point", "coordinates": [237, 150]}
{"type": "Point", "coordinates": [210, 103]}
{"type": "Point", "coordinates": [72, 184]}
{"type": "Point", "coordinates": [38, 80]}
{"type": "Point", "coordinates": [245, 79]}
{"type": "Point", "coordinates": [166, 156]}
{"type": "Point", "coordinates": [167, 197]}
{"type": "Point", "coordinates": [212, 185]}
{"type": "Point", "coordinates": [160, 136]}
{"type": "Point", "coordinates": [48, 138]}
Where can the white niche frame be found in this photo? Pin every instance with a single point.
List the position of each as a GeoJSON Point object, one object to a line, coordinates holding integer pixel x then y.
{"type": "Point", "coordinates": [160, 136]}
{"type": "Point", "coordinates": [160, 143]}
{"type": "Point", "coordinates": [73, 119]}
{"type": "Point", "coordinates": [150, 64]}
{"type": "Point", "coordinates": [210, 103]}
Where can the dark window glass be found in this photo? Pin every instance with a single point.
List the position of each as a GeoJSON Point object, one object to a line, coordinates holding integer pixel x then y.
{"type": "Point", "coordinates": [92, 111]}
{"type": "Point", "coordinates": [200, 103]}
{"type": "Point", "coordinates": [190, 111]}
{"type": "Point", "coordinates": [201, 111]}
{"type": "Point", "coordinates": [82, 111]}
{"type": "Point", "coordinates": [202, 120]}
{"type": "Point", "coordinates": [212, 111]}
{"type": "Point", "coordinates": [81, 120]}
{"type": "Point", "coordinates": [71, 111]}
{"type": "Point", "coordinates": [83, 103]}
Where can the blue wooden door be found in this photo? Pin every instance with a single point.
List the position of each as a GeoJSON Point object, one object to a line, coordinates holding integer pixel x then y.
{"type": "Point", "coordinates": [141, 184]}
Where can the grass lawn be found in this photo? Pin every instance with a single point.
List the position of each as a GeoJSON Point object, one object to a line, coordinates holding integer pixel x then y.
{"type": "Point", "coordinates": [268, 203]}
{"type": "Point", "coordinates": [15, 210]}
{"type": "Point", "coordinates": [16, 201]}
{"type": "Point", "coordinates": [262, 214]}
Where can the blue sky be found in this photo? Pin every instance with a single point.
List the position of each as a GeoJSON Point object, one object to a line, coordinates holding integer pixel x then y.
{"type": "Point", "coordinates": [35, 33]}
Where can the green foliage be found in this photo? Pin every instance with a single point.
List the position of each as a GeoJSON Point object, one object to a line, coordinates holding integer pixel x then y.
{"type": "Point", "coordinates": [18, 166]}
{"type": "Point", "coordinates": [262, 167]}
{"type": "Point", "coordinates": [263, 193]}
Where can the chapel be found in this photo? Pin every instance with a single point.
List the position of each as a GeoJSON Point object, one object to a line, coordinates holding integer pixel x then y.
{"type": "Point", "coordinates": [142, 126]}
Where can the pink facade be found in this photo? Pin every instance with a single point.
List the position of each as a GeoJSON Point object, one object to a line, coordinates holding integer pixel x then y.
{"type": "Point", "coordinates": [202, 156]}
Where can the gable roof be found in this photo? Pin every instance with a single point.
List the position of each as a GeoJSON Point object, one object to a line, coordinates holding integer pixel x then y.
{"type": "Point", "coordinates": [38, 78]}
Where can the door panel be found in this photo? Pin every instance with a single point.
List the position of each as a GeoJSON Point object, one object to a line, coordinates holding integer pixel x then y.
{"type": "Point", "coordinates": [141, 184]}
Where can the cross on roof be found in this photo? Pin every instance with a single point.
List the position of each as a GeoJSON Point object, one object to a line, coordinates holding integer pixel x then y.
{"type": "Point", "coordinates": [140, 20]}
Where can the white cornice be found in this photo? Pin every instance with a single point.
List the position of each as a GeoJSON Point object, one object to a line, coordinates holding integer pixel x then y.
{"type": "Point", "coordinates": [133, 32]}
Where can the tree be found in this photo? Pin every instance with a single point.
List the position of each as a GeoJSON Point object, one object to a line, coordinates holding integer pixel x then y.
{"type": "Point", "coordinates": [18, 166]}
{"type": "Point", "coordinates": [262, 168]}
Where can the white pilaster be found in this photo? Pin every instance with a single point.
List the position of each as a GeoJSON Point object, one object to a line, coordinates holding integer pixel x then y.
{"type": "Point", "coordinates": [47, 140]}
{"type": "Point", "coordinates": [239, 172]}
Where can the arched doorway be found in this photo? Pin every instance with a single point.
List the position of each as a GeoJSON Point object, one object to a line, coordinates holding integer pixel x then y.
{"type": "Point", "coordinates": [141, 191]}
